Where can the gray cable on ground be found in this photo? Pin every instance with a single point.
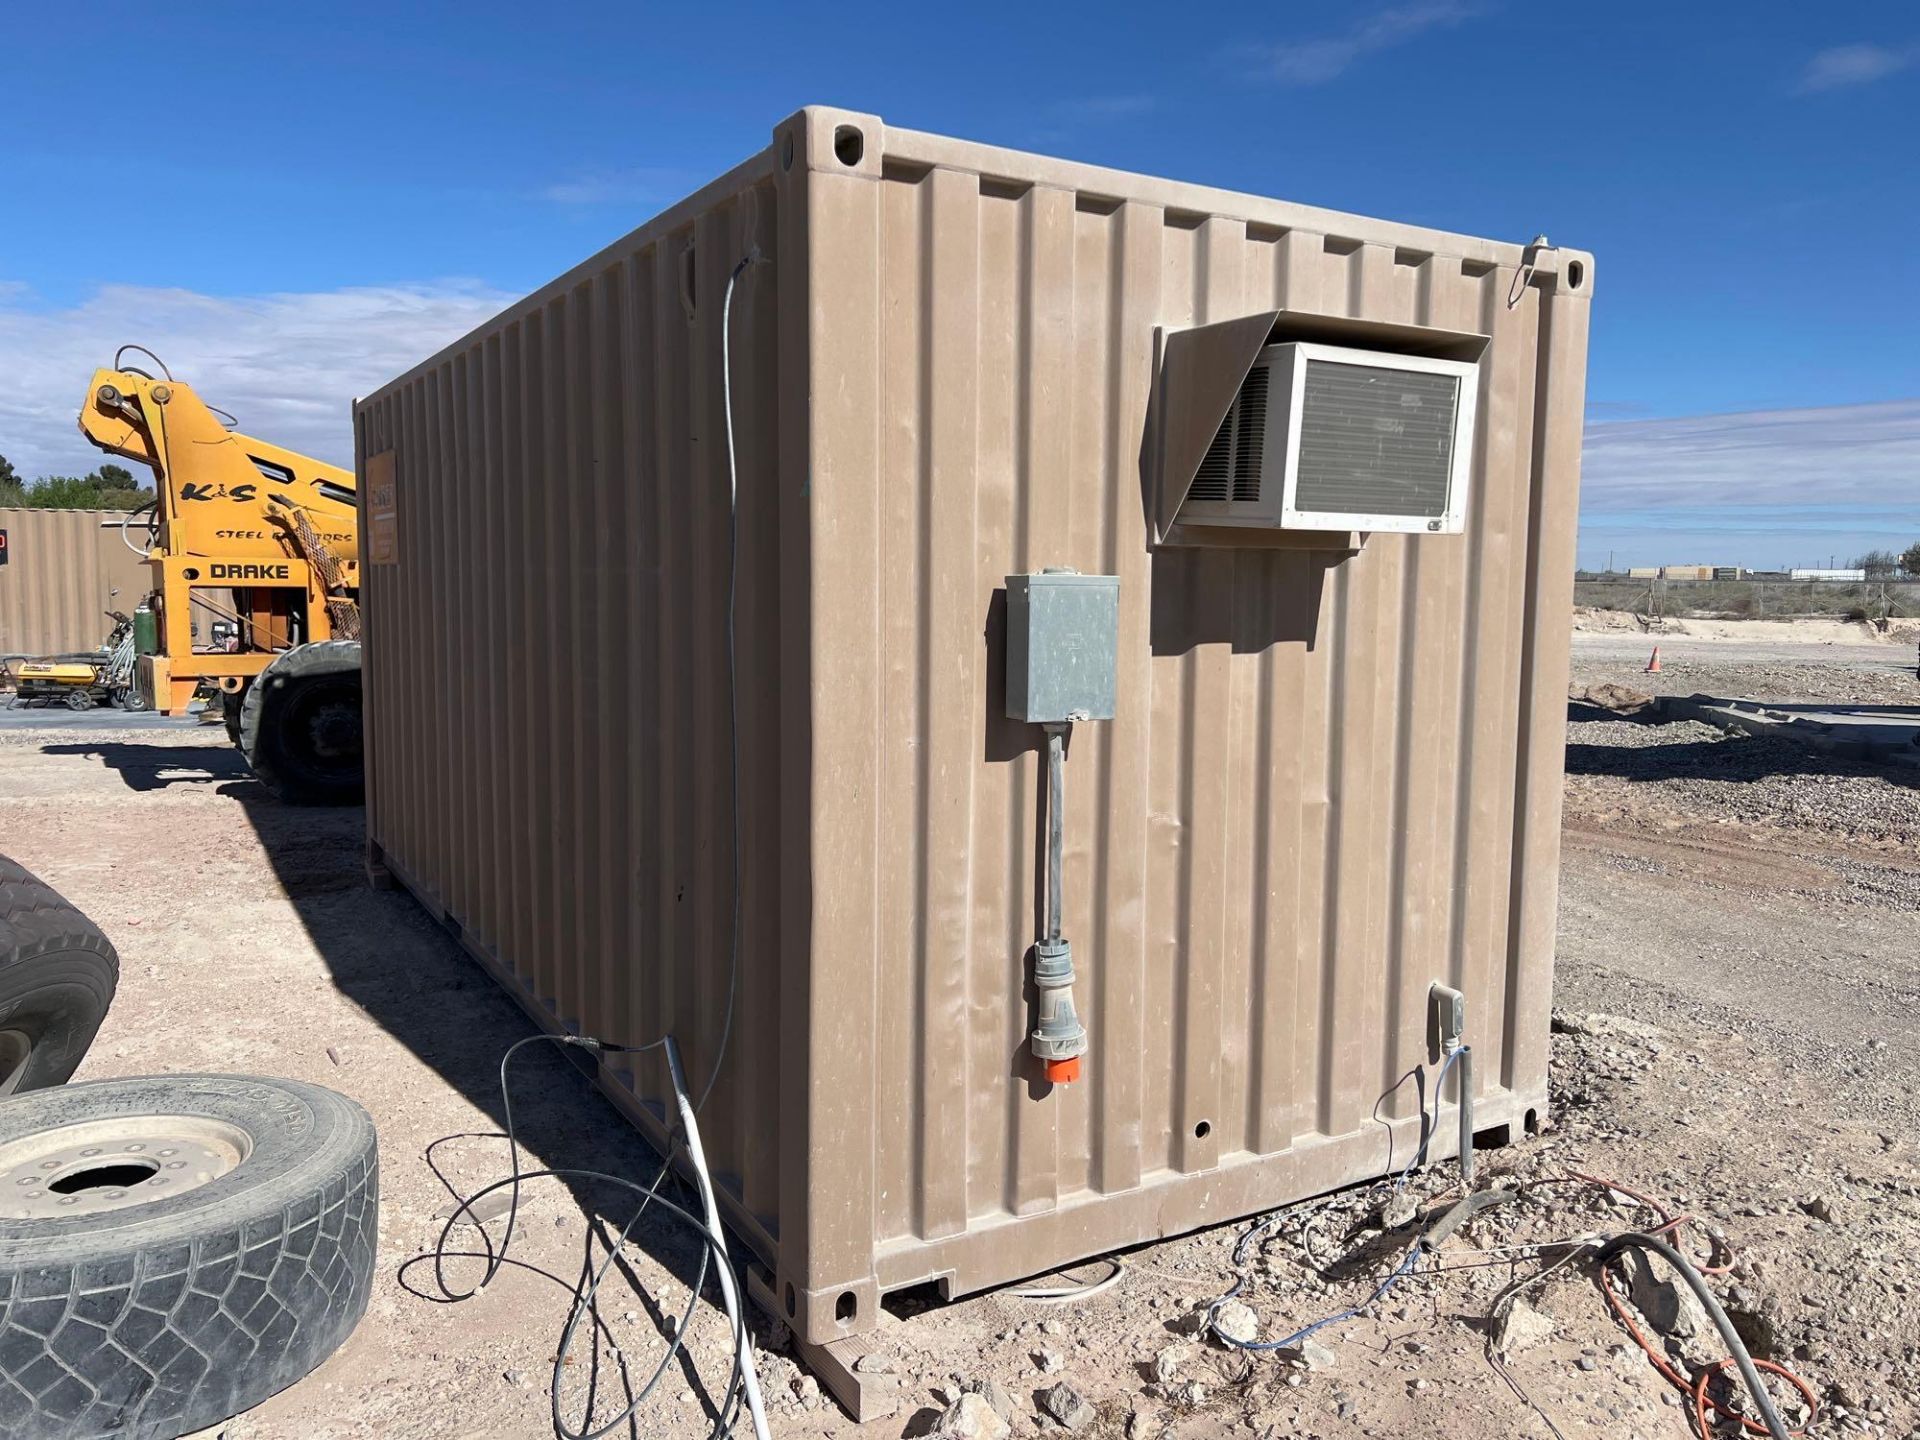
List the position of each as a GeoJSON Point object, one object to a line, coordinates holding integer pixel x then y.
{"type": "Point", "coordinates": [1736, 1347]}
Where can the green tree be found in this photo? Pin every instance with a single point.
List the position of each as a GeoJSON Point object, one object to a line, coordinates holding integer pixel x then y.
{"type": "Point", "coordinates": [12, 492]}
{"type": "Point", "coordinates": [95, 491]}
{"type": "Point", "coordinates": [1910, 558]}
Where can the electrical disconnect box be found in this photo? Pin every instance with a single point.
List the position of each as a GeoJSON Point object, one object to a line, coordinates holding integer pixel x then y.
{"type": "Point", "coordinates": [1063, 632]}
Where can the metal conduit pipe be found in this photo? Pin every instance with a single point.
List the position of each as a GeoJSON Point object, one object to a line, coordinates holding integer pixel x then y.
{"type": "Point", "coordinates": [1056, 823]}
{"type": "Point", "coordinates": [1447, 1027]}
{"type": "Point", "coordinates": [1465, 1106]}
{"type": "Point", "coordinates": [1058, 1039]}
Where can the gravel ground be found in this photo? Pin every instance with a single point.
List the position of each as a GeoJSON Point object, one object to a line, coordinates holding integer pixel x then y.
{"type": "Point", "coordinates": [1696, 770]}
{"type": "Point", "coordinates": [1737, 981]}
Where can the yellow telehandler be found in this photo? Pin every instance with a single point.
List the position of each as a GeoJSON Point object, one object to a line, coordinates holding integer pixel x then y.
{"type": "Point", "coordinates": [262, 543]}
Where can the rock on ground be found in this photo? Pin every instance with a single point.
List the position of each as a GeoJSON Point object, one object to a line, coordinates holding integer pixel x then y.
{"type": "Point", "coordinates": [994, 1394]}
{"type": "Point", "coordinates": [1234, 1321]}
{"type": "Point", "coordinates": [970, 1418]}
{"type": "Point", "coordinates": [1670, 1307]}
{"type": "Point", "coordinates": [1310, 1353]}
{"type": "Point", "coordinates": [1521, 1327]}
{"type": "Point", "coordinates": [1067, 1405]}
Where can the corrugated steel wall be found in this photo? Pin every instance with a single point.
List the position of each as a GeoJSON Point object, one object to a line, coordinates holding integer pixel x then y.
{"type": "Point", "coordinates": [60, 579]}
{"type": "Point", "coordinates": [546, 660]}
{"type": "Point", "coordinates": [1331, 781]}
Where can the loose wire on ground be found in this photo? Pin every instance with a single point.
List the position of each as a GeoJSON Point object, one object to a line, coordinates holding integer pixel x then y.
{"type": "Point", "coordinates": [1068, 1294]}
{"type": "Point", "coordinates": [1264, 1227]}
{"type": "Point", "coordinates": [585, 1297]}
{"type": "Point", "coordinates": [1500, 1303]}
{"type": "Point", "coordinates": [1603, 1249]}
{"type": "Point", "coordinates": [1770, 1422]}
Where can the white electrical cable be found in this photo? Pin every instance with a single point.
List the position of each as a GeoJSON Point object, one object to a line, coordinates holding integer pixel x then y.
{"type": "Point", "coordinates": [729, 1288]}
{"type": "Point", "coordinates": [733, 666]}
{"type": "Point", "coordinates": [1067, 1294]}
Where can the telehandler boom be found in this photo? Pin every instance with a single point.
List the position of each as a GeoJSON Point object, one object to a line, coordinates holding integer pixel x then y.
{"type": "Point", "coordinates": [262, 545]}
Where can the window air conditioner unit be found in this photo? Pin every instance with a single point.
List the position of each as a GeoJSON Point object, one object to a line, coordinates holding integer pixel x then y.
{"type": "Point", "coordinates": [1327, 437]}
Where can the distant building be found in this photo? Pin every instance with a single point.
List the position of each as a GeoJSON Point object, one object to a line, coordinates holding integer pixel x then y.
{"type": "Point", "coordinates": [1805, 574]}
{"type": "Point", "coordinates": [1644, 572]}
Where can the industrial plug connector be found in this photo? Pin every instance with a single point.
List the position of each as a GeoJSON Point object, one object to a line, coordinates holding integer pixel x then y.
{"type": "Point", "coordinates": [1059, 1039]}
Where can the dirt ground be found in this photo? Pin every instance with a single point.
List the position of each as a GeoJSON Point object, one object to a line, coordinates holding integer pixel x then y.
{"type": "Point", "coordinates": [1736, 992]}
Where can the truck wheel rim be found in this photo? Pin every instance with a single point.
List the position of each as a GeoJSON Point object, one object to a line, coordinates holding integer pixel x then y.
{"type": "Point", "coordinates": [15, 1050]}
{"type": "Point", "coordinates": [116, 1163]}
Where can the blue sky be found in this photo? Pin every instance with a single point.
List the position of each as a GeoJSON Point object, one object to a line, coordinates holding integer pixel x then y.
{"type": "Point", "coordinates": [293, 203]}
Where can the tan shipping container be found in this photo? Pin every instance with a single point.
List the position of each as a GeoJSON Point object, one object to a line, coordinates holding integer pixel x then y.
{"type": "Point", "coordinates": [1332, 777]}
{"type": "Point", "coordinates": [63, 573]}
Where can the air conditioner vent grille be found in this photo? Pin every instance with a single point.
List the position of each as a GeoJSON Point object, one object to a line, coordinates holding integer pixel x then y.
{"type": "Point", "coordinates": [1375, 441]}
{"type": "Point", "coordinates": [1231, 467]}
{"type": "Point", "coordinates": [1250, 433]}
{"type": "Point", "coordinates": [1215, 477]}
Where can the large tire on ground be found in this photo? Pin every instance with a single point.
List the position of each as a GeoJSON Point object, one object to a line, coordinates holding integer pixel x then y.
{"type": "Point", "coordinates": [184, 1246]}
{"type": "Point", "coordinates": [230, 705]}
{"type": "Point", "coordinates": [300, 725]}
{"type": "Point", "coordinates": [57, 977]}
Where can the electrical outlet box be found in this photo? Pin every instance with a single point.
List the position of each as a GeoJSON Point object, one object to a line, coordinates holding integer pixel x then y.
{"type": "Point", "coordinates": [1063, 636]}
{"type": "Point", "coordinates": [1446, 1018]}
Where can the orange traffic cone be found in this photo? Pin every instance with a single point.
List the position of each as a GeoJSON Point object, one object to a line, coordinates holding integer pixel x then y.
{"type": "Point", "coordinates": [1653, 664]}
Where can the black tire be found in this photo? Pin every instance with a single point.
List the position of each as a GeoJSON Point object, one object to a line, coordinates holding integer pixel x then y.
{"type": "Point", "coordinates": [300, 725]}
{"type": "Point", "coordinates": [230, 704]}
{"type": "Point", "coordinates": [153, 1318]}
{"type": "Point", "coordinates": [57, 977]}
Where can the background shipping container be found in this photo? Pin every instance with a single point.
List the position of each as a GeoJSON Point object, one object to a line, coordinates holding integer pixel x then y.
{"type": "Point", "coordinates": [1332, 777]}
{"type": "Point", "coordinates": [63, 573]}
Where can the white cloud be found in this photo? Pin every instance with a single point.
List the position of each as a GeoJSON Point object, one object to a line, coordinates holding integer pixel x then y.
{"type": "Point", "coordinates": [1764, 488]}
{"type": "Point", "coordinates": [644, 185]}
{"type": "Point", "coordinates": [1845, 66]}
{"type": "Point", "coordinates": [1837, 455]}
{"type": "Point", "coordinates": [287, 365]}
{"type": "Point", "coordinates": [1315, 62]}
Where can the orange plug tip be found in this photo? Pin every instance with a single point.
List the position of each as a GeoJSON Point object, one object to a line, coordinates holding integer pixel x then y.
{"type": "Point", "coordinates": [1063, 1072]}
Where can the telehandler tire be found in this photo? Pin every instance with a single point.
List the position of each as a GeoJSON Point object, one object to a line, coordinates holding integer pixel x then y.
{"type": "Point", "coordinates": [230, 704]}
{"type": "Point", "coordinates": [183, 1247]}
{"type": "Point", "coordinates": [300, 725]}
{"type": "Point", "coordinates": [57, 977]}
